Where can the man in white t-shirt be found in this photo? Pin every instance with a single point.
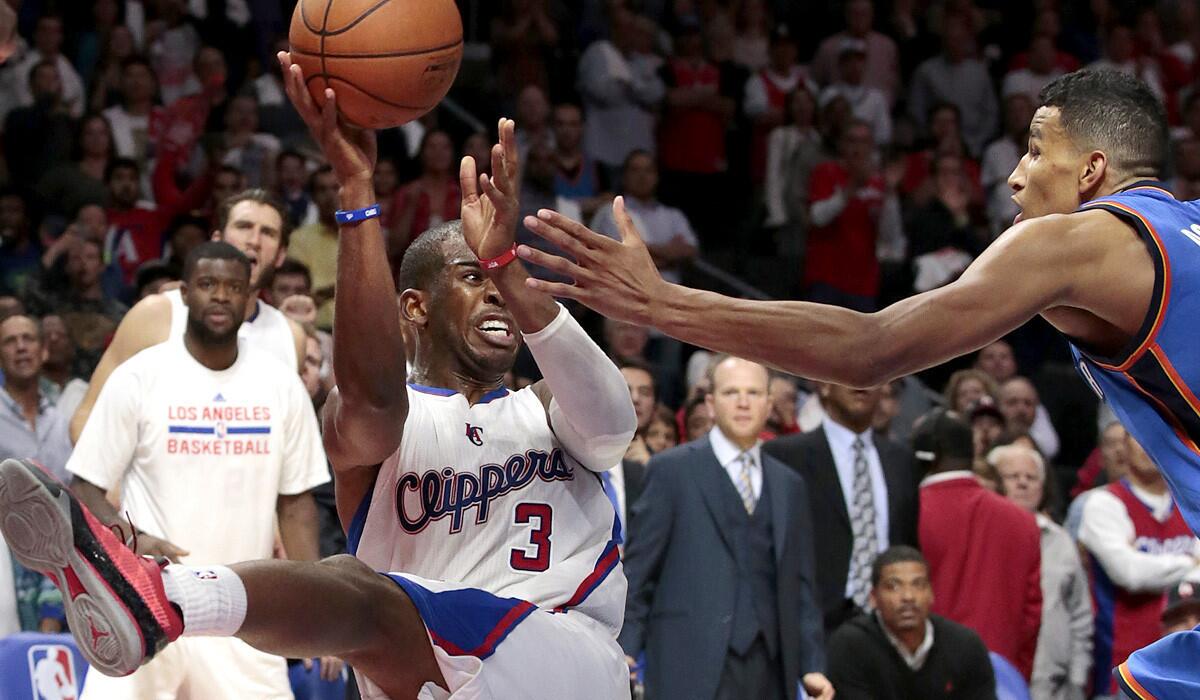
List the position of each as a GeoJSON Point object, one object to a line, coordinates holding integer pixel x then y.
{"type": "Point", "coordinates": [255, 223]}
{"type": "Point", "coordinates": [208, 438]}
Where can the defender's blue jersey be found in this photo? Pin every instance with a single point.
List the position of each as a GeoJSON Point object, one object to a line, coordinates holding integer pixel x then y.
{"type": "Point", "coordinates": [1152, 385]}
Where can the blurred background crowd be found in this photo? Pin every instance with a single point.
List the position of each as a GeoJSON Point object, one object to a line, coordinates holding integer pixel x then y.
{"type": "Point", "coordinates": [851, 152]}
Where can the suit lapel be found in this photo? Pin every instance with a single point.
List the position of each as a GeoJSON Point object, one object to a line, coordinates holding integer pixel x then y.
{"type": "Point", "coordinates": [773, 489]}
{"type": "Point", "coordinates": [714, 483]}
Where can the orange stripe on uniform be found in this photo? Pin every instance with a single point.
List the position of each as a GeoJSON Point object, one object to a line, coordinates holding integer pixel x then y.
{"type": "Point", "coordinates": [1164, 412]}
{"type": "Point", "coordinates": [1161, 313]}
{"type": "Point", "coordinates": [1176, 380]}
{"type": "Point", "coordinates": [1127, 676]}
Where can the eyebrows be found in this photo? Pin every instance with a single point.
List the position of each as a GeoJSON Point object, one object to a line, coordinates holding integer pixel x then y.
{"type": "Point", "coordinates": [468, 263]}
{"type": "Point", "coordinates": [250, 223]}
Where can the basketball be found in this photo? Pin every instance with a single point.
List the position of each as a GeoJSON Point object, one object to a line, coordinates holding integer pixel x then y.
{"type": "Point", "coordinates": [389, 61]}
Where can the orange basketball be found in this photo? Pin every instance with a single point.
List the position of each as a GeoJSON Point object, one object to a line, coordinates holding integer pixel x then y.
{"type": "Point", "coordinates": [389, 61]}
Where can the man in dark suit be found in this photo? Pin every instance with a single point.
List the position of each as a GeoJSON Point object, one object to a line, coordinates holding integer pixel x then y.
{"type": "Point", "coordinates": [721, 569]}
{"type": "Point", "coordinates": [862, 491]}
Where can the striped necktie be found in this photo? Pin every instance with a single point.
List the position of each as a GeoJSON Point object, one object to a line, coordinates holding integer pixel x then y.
{"type": "Point", "coordinates": [862, 524]}
{"type": "Point", "coordinates": [745, 486]}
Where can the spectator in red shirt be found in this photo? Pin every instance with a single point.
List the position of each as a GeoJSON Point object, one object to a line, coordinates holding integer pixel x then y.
{"type": "Point", "coordinates": [691, 137]}
{"type": "Point", "coordinates": [136, 227]}
{"type": "Point", "coordinates": [984, 551]}
{"type": "Point", "coordinates": [852, 210]}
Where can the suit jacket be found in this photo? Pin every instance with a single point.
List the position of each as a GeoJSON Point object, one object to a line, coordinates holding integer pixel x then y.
{"type": "Point", "coordinates": [682, 573]}
{"type": "Point", "coordinates": [809, 454]}
{"type": "Point", "coordinates": [634, 474]}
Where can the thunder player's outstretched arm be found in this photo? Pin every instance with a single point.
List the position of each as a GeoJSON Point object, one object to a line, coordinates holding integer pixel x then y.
{"type": "Point", "coordinates": [586, 398]}
{"type": "Point", "coordinates": [1087, 272]}
{"type": "Point", "coordinates": [363, 419]}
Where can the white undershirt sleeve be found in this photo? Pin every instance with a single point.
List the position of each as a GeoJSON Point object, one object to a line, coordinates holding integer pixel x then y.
{"type": "Point", "coordinates": [591, 412]}
{"type": "Point", "coordinates": [1107, 533]}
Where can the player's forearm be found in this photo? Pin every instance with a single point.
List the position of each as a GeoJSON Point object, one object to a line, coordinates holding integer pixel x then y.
{"type": "Point", "coordinates": [531, 309]}
{"type": "Point", "coordinates": [814, 341]}
{"type": "Point", "coordinates": [298, 526]}
{"type": "Point", "coordinates": [368, 348]}
{"type": "Point", "coordinates": [96, 500]}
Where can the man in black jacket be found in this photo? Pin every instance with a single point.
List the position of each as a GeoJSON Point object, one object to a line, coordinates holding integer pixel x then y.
{"type": "Point", "coordinates": [901, 651]}
{"type": "Point", "coordinates": [862, 496]}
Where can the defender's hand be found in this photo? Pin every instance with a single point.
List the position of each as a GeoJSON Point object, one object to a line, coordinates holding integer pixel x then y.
{"type": "Point", "coordinates": [615, 278]}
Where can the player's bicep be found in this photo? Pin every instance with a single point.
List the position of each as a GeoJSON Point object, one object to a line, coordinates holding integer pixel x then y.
{"type": "Point", "coordinates": [1015, 279]}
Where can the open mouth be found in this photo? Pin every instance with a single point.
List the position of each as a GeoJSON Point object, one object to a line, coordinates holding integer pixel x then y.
{"type": "Point", "coordinates": [498, 331]}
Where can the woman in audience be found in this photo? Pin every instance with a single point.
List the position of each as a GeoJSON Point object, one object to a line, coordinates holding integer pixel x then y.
{"type": "Point", "coordinates": [430, 199]}
{"type": "Point", "coordinates": [966, 387]}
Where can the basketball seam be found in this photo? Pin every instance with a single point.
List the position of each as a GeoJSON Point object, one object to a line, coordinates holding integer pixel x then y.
{"type": "Point", "coordinates": [394, 54]}
{"type": "Point", "coordinates": [325, 23]}
{"type": "Point", "coordinates": [364, 91]}
{"type": "Point", "coordinates": [304, 18]}
{"type": "Point", "coordinates": [353, 23]}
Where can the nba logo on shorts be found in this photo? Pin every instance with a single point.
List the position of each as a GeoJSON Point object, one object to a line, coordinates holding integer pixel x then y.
{"type": "Point", "coordinates": [52, 672]}
{"type": "Point", "coordinates": [220, 430]}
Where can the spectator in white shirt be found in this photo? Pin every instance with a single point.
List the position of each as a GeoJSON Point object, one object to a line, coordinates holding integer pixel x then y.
{"type": "Point", "coordinates": [869, 104]}
{"type": "Point", "coordinates": [883, 62]}
{"type": "Point", "coordinates": [47, 46]}
{"type": "Point", "coordinates": [620, 93]}
{"type": "Point", "coordinates": [130, 120]}
{"type": "Point", "coordinates": [958, 77]}
{"type": "Point", "coordinates": [1140, 547]}
{"type": "Point", "coordinates": [666, 231]}
{"type": "Point", "coordinates": [1041, 69]}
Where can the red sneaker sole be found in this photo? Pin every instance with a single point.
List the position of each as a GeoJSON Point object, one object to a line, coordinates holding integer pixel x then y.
{"type": "Point", "coordinates": [38, 526]}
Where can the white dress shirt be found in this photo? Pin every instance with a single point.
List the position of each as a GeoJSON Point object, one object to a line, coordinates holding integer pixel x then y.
{"type": "Point", "coordinates": [916, 659]}
{"type": "Point", "coordinates": [729, 456]}
{"type": "Point", "coordinates": [841, 444]}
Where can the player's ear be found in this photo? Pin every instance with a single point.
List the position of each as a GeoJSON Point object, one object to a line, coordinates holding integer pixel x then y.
{"type": "Point", "coordinates": [413, 308]}
{"type": "Point", "coordinates": [1092, 172]}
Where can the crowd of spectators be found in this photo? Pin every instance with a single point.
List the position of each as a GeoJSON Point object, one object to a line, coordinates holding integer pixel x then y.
{"type": "Point", "coordinates": [853, 153]}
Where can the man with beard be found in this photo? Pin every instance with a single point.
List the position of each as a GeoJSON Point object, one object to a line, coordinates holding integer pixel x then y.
{"type": "Point", "coordinates": [255, 223]}
{"type": "Point", "coordinates": [209, 439]}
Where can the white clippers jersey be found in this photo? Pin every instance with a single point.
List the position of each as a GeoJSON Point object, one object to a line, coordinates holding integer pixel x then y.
{"type": "Point", "coordinates": [486, 496]}
{"type": "Point", "coordinates": [268, 329]}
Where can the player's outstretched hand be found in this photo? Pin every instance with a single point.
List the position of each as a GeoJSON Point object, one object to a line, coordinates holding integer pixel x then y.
{"type": "Point", "coordinates": [817, 686]}
{"type": "Point", "coordinates": [351, 151]}
{"type": "Point", "coordinates": [151, 546]}
{"type": "Point", "coordinates": [490, 221]}
{"type": "Point", "coordinates": [615, 278]}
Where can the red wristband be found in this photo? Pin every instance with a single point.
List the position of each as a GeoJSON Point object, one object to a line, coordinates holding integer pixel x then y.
{"type": "Point", "coordinates": [500, 260]}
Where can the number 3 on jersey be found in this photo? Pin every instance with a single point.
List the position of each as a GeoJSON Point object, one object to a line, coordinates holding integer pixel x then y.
{"type": "Point", "coordinates": [538, 517]}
